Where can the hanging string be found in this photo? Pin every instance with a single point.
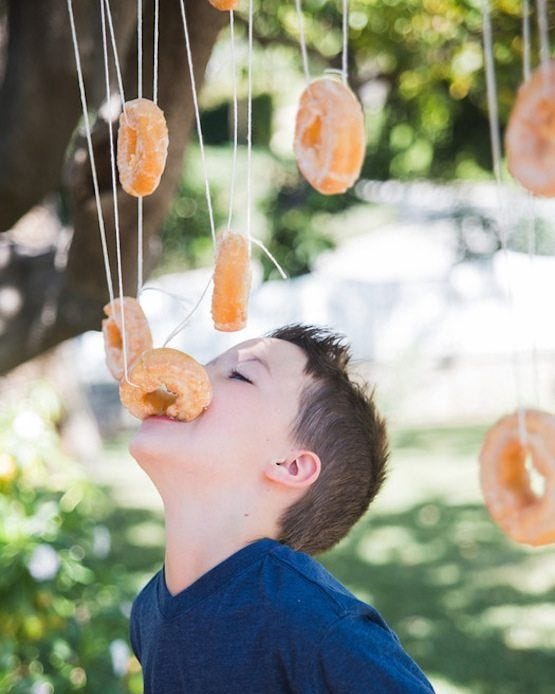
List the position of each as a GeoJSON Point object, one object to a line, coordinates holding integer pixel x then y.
{"type": "Point", "coordinates": [531, 207]}
{"type": "Point", "coordinates": [181, 299]}
{"type": "Point", "coordinates": [249, 123]}
{"type": "Point", "coordinates": [139, 244]}
{"type": "Point", "coordinates": [345, 56]}
{"type": "Point", "coordinates": [531, 243]}
{"type": "Point", "coordinates": [183, 324]}
{"type": "Point", "coordinates": [249, 149]}
{"type": "Point", "coordinates": [140, 48]}
{"type": "Point", "coordinates": [526, 70]}
{"type": "Point", "coordinates": [156, 41]}
{"type": "Point", "coordinates": [115, 53]}
{"type": "Point", "coordinates": [188, 318]}
{"type": "Point", "coordinates": [140, 95]}
{"type": "Point", "coordinates": [91, 152]}
{"type": "Point", "coordinates": [491, 89]}
{"type": "Point", "coordinates": [114, 193]}
{"type": "Point", "coordinates": [197, 118]}
{"type": "Point", "coordinates": [258, 243]}
{"type": "Point", "coordinates": [234, 82]}
{"type": "Point", "coordinates": [543, 32]}
{"type": "Point", "coordinates": [302, 39]}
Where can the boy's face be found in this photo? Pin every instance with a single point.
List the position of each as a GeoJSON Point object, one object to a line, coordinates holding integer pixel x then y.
{"type": "Point", "coordinates": [245, 427]}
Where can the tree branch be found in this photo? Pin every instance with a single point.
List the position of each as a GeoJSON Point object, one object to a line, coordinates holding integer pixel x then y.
{"type": "Point", "coordinates": [67, 299]}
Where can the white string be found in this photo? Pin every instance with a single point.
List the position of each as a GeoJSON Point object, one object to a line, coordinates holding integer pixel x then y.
{"type": "Point", "coordinates": [491, 88]}
{"type": "Point", "coordinates": [115, 194]}
{"type": "Point", "coordinates": [156, 41]}
{"type": "Point", "coordinates": [139, 243]}
{"type": "Point", "coordinates": [183, 324]}
{"type": "Point", "coordinates": [234, 81]}
{"type": "Point", "coordinates": [302, 39]}
{"type": "Point", "coordinates": [91, 152]}
{"type": "Point", "coordinates": [249, 150]}
{"type": "Point", "coordinates": [140, 95]}
{"type": "Point", "coordinates": [140, 48]}
{"type": "Point", "coordinates": [182, 300]}
{"type": "Point", "coordinates": [249, 124]}
{"type": "Point", "coordinates": [531, 207]}
{"type": "Point", "coordinates": [526, 70]}
{"type": "Point", "coordinates": [274, 261]}
{"type": "Point", "coordinates": [187, 319]}
{"type": "Point", "coordinates": [344, 56]}
{"type": "Point", "coordinates": [115, 53]}
{"type": "Point", "coordinates": [199, 129]}
{"type": "Point", "coordinates": [531, 243]}
{"type": "Point", "coordinates": [543, 31]}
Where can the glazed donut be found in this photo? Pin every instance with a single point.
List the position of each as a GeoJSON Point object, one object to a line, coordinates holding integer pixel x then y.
{"type": "Point", "coordinates": [142, 147]}
{"type": "Point", "coordinates": [232, 280]}
{"type": "Point", "coordinates": [329, 136]}
{"type": "Point", "coordinates": [224, 5]}
{"type": "Point", "coordinates": [167, 382]}
{"type": "Point", "coordinates": [513, 505]}
{"type": "Point", "coordinates": [530, 134]}
{"type": "Point", "coordinates": [137, 334]}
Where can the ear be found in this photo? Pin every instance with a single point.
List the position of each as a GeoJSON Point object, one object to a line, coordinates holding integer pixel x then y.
{"type": "Point", "coordinates": [299, 470]}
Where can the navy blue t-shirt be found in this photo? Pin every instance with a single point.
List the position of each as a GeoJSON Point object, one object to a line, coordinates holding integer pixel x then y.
{"type": "Point", "coordinates": [266, 620]}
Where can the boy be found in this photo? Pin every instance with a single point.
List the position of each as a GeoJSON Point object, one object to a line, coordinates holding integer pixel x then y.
{"type": "Point", "coordinates": [282, 463]}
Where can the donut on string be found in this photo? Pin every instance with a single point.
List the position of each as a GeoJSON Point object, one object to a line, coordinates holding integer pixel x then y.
{"type": "Point", "coordinates": [224, 5]}
{"type": "Point", "coordinates": [522, 514]}
{"type": "Point", "coordinates": [329, 136]}
{"type": "Point", "coordinates": [137, 334]}
{"type": "Point", "coordinates": [168, 382]}
{"type": "Point", "coordinates": [142, 147]}
{"type": "Point", "coordinates": [530, 134]}
{"type": "Point", "coordinates": [232, 280]}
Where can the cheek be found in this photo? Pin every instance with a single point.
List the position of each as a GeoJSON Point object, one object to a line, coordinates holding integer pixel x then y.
{"type": "Point", "coordinates": [228, 409]}
{"type": "Point", "coordinates": [236, 424]}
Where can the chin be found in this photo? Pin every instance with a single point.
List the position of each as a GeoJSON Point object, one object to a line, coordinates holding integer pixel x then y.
{"type": "Point", "coordinates": [156, 440]}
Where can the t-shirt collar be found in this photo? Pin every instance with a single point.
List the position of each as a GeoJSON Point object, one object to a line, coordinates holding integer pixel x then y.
{"type": "Point", "coordinates": [216, 577]}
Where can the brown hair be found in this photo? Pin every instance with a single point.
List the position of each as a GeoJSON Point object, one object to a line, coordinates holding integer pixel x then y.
{"type": "Point", "coordinates": [338, 420]}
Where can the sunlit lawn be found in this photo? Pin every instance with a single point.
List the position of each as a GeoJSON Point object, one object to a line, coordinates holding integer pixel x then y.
{"type": "Point", "coordinates": [476, 611]}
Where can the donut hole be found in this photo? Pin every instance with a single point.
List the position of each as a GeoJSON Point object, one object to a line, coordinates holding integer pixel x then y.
{"type": "Point", "coordinates": [114, 336]}
{"type": "Point", "coordinates": [159, 399]}
{"type": "Point", "coordinates": [131, 145]}
{"type": "Point", "coordinates": [312, 136]}
{"type": "Point", "coordinates": [514, 475]}
{"type": "Point", "coordinates": [536, 480]}
{"type": "Point", "coordinates": [545, 115]}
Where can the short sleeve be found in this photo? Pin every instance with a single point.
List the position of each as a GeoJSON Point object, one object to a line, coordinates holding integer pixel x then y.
{"type": "Point", "coordinates": [359, 655]}
{"type": "Point", "coordinates": [134, 636]}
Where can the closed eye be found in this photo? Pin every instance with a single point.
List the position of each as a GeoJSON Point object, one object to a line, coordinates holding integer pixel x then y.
{"type": "Point", "coordinates": [239, 377]}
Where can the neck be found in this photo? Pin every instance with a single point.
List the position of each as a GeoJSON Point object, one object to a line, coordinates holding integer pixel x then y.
{"type": "Point", "coordinates": [201, 534]}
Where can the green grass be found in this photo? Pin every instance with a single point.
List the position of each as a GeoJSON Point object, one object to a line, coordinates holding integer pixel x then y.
{"type": "Point", "coordinates": [475, 610]}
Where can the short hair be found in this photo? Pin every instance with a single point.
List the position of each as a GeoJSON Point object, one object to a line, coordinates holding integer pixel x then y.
{"type": "Point", "coordinates": [338, 420]}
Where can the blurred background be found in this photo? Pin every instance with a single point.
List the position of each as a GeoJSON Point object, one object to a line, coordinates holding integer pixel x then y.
{"type": "Point", "coordinates": [451, 329]}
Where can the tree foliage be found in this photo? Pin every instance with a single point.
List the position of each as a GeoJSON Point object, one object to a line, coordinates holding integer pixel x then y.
{"type": "Point", "coordinates": [418, 68]}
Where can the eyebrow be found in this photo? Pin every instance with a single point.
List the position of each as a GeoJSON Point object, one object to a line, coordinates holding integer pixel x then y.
{"type": "Point", "coordinates": [252, 358]}
{"type": "Point", "coordinates": [260, 361]}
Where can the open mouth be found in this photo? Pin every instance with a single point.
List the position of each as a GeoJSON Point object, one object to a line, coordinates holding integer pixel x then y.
{"type": "Point", "coordinates": [163, 417]}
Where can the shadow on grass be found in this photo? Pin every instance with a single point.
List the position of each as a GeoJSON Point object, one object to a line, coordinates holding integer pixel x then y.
{"type": "Point", "coordinates": [467, 604]}
{"type": "Point", "coordinates": [454, 440]}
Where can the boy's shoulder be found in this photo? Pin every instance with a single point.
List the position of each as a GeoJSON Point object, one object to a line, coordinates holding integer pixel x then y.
{"type": "Point", "coordinates": [301, 587]}
{"type": "Point", "coordinates": [354, 649]}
